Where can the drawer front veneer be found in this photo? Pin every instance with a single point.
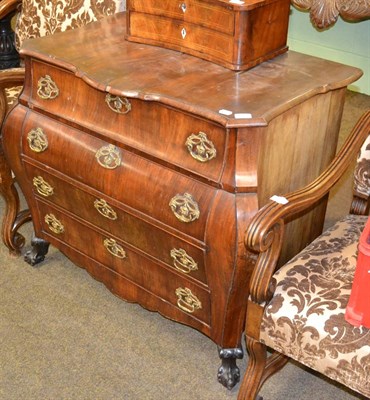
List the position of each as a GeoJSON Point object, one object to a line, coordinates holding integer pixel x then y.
{"type": "Point", "coordinates": [171, 136]}
{"type": "Point", "coordinates": [107, 214]}
{"type": "Point", "coordinates": [116, 255]}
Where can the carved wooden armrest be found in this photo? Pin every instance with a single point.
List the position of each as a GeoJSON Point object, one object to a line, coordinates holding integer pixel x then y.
{"type": "Point", "coordinates": [8, 6]}
{"type": "Point", "coordinates": [324, 13]}
{"type": "Point", "coordinates": [265, 232]}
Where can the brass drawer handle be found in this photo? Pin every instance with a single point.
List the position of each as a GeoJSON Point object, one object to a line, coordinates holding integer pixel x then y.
{"type": "Point", "coordinates": [109, 157]}
{"type": "Point", "coordinates": [187, 301]}
{"type": "Point", "coordinates": [182, 261]}
{"type": "Point", "coordinates": [185, 207]}
{"type": "Point", "coordinates": [200, 147]}
{"type": "Point", "coordinates": [54, 224]}
{"type": "Point", "coordinates": [105, 209]}
{"type": "Point", "coordinates": [37, 140]}
{"type": "Point", "coordinates": [42, 187]}
{"type": "Point", "coordinates": [47, 88]}
{"type": "Point", "coordinates": [120, 105]}
{"type": "Point", "coordinates": [114, 248]}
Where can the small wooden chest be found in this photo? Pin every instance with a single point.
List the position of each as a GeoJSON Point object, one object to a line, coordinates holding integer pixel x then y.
{"type": "Point", "coordinates": [236, 34]}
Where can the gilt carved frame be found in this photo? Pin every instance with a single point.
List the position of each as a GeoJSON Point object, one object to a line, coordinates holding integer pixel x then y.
{"type": "Point", "coordinates": [325, 13]}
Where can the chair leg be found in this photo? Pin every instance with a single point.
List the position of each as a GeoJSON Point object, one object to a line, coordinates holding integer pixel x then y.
{"type": "Point", "coordinates": [254, 374]}
{"type": "Point", "coordinates": [12, 219]}
{"type": "Point", "coordinates": [260, 367]}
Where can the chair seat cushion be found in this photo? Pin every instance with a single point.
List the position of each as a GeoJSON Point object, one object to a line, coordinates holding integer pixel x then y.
{"type": "Point", "coordinates": [305, 318]}
{"type": "Point", "coordinates": [12, 95]}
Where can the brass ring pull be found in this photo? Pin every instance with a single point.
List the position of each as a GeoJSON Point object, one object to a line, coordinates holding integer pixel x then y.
{"type": "Point", "coordinates": [37, 140]}
{"type": "Point", "coordinates": [200, 147]}
{"type": "Point", "coordinates": [54, 224]}
{"type": "Point", "coordinates": [187, 301]}
{"type": "Point", "coordinates": [105, 209]}
{"type": "Point", "coordinates": [182, 261]}
{"type": "Point", "coordinates": [114, 248]}
{"type": "Point", "coordinates": [47, 88]}
{"type": "Point", "coordinates": [42, 187]}
{"type": "Point", "coordinates": [185, 207]}
{"type": "Point", "coordinates": [109, 157]}
{"type": "Point", "coordinates": [120, 105]}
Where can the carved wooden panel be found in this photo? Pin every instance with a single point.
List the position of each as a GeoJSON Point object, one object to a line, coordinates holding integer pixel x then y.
{"type": "Point", "coordinates": [324, 13]}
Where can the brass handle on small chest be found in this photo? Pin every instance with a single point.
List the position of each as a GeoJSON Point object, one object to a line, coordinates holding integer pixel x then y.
{"type": "Point", "coordinates": [120, 105]}
{"type": "Point", "coordinates": [54, 224]}
{"type": "Point", "coordinates": [187, 301]}
{"type": "Point", "coordinates": [37, 140]}
{"type": "Point", "coordinates": [114, 248]}
{"type": "Point", "coordinates": [109, 157]}
{"type": "Point", "coordinates": [105, 209]}
{"type": "Point", "coordinates": [184, 207]}
{"type": "Point", "coordinates": [42, 187]}
{"type": "Point", "coordinates": [182, 261]}
{"type": "Point", "coordinates": [47, 89]}
{"type": "Point", "coordinates": [200, 147]}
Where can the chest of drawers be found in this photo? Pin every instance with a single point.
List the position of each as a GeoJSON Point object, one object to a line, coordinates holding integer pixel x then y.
{"type": "Point", "coordinates": [144, 166]}
{"type": "Point", "coordinates": [235, 34]}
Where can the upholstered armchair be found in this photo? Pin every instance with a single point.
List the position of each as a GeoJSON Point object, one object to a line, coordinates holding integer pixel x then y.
{"type": "Point", "coordinates": [36, 18]}
{"type": "Point", "coordinates": [297, 310]}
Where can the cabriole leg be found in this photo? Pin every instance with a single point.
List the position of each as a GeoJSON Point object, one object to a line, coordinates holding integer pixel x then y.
{"type": "Point", "coordinates": [12, 219]}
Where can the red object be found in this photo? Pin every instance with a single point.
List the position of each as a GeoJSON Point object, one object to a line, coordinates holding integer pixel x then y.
{"type": "Point", "coordinates": [358, 307]}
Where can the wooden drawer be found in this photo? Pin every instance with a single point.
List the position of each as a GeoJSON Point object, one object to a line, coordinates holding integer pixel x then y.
{"type": "Point", "coordinates": [181, 35]}
{"type": "Point", "coordinates": [107, 214]}
{"type": "Point", "coordinates": [194, 144]}
{"type": "Point", "coordinates": [216, 16]}
{"type": "Point", "coordinates": [151, 189]}
{"type": "Point", "coordinates": [236, 35]}
{"type": "Point", "coordinates": [119, 256]}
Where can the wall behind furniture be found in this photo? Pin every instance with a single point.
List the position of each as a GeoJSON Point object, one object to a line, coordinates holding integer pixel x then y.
{"type": "Point", "coordinates": [345, 42]}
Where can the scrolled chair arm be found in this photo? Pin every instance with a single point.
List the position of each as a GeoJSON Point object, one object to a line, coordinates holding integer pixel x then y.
{"type": "Point", "coordinates": [8, 6]}
{"type": "Point", "coordinates": [264, 234]}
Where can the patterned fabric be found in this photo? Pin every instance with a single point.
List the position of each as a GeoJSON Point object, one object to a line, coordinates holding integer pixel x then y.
{"type": "Point", "coordinates": [305, 318]}
{"type": "Point", "coordinates": [12, 94]}
{"type": "Point", "coordinates": [362, 170]}
{"type": "Point", "coordinates": [46, 17]}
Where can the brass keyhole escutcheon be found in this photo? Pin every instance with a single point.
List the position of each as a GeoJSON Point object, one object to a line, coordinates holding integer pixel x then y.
{"type": "Point", "coordinates": [184, 207]}
{"type": "Point", "coordinates": [105, 209]}
{"type": "Point", "coordinates": [109, 157]}
{"type": "Point", "coordinates": [120, 105]}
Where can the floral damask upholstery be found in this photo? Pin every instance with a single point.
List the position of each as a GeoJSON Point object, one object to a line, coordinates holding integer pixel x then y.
{"type": "Point", "coordinates": [305, 318]}
{"type": "Point", "coordinates": [297, 310]}
{"type": "Point", "coordinates": [45, 17]}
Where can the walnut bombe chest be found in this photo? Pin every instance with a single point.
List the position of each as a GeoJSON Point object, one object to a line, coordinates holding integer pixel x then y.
{"type": "Point", "coordinates": [144, 165]}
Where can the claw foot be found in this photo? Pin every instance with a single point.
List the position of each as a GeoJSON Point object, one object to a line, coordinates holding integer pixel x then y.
{"type": "Point", "coordinates": [228, 373]}
{"type": "Point", "coordinates": [37, 254]}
